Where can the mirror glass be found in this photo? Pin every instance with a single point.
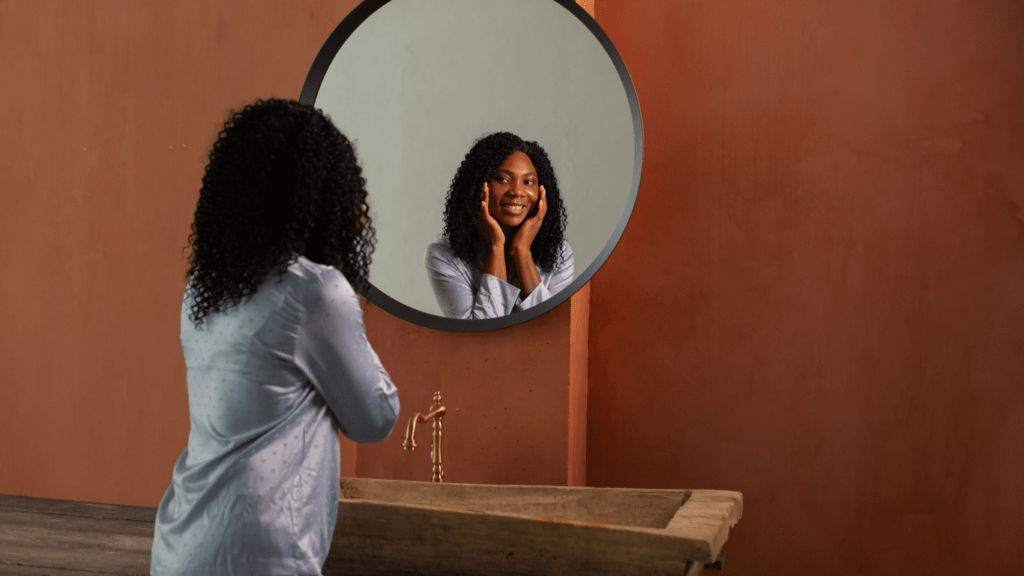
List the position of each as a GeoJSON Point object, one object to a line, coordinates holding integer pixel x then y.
{"type": "Point", "coordinates": [415, 83]}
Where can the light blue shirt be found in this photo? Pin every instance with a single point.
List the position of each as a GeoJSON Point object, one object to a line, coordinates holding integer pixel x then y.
{"type": "Point", "coordinates": [467, 292]}
{"type": "Point", "coordinates": [270, 383]}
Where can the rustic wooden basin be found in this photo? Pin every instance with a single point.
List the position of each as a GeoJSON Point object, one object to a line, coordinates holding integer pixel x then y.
{"type": "Point", "coordinates": [396, 527]}
{"type": "Point", "coordinates": [401, 527]}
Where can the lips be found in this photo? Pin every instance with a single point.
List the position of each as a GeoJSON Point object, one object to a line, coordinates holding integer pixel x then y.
{"type": "Point", "coordinates": [515, 208]}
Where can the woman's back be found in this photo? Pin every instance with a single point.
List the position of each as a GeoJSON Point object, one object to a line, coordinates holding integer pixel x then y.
{"type": "Point", "coordinates": [269, 383]}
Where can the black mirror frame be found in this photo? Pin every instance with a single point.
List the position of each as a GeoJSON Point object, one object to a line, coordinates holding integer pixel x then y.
{"type": "Point", "coordinates": [311, 87]}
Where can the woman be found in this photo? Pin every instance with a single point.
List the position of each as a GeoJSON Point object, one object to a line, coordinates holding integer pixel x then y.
{"type": "Point", "coordinates": [275, 349]}
{"type": "Point", "coordinates": [503, 247]}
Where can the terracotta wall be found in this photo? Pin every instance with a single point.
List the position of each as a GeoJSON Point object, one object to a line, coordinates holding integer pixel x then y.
{"type": "Point", "coordinates": [108, 110]}
{"type": "Point", "coordinates": [819, 300]}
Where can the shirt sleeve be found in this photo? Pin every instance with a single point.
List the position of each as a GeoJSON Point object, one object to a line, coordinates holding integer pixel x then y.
{"type": "Point", "coordinates": [560, 277]}
{"type": "Point", "coordinates": [331, 347]}
{"type": "Point", "coordinates": [449, 277]}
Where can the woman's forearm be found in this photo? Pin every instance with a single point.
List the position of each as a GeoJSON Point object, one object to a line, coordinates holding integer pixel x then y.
{"type": "Point", "coordinates": [527, 270]}
{"type": "Point", "coordinates": [495, 265]}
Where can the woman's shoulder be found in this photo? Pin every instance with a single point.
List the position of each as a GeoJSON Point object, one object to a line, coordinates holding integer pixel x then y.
{"type": "Point", "coordinates": [440, 247]}
{"type": "Point", "coordinates": [565, 254]}
{"type": "Point", "coordinates": [441, 251]}
{"type": "Point", "coordinates": [321, 276]}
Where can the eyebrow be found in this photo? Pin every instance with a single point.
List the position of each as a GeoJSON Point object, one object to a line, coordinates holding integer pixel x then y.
{"type": "Point", "coordinates": [511, 173]}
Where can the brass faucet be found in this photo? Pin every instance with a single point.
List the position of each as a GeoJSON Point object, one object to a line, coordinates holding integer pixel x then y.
{"type": "Point", "coordinates": [435, 413]}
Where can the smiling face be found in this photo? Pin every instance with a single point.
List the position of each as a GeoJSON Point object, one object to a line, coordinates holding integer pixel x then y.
{"type": "Point", "coordinates": [514, 190]}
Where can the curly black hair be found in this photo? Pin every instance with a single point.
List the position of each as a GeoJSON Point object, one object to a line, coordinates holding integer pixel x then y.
{"type": "Point", "coordinates": [462, 204]}
{"type": "Point", "coordinates": [281, 180]}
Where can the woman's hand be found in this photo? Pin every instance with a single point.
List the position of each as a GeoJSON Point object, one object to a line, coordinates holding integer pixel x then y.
{"type": "Point", "coordinates": [529, 228]}
{"type": "Point", "coordinates": [495, 264]}
{"type": "Point", "coordinates": [529, 277]}
{"type": "Point", "coordinates": [491, 227]}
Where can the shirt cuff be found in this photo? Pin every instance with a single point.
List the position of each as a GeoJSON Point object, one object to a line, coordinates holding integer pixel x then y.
{"type": "Point", "coordinates": [539, 294]}
{"type": "Point", "coordinates": [495, 298]}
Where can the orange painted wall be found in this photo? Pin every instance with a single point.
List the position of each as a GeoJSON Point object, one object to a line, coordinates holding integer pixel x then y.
{"type": "Point", "coordinates": [819, 299]}
{"type": "Point", "coordinates": [506, 395]}
{"type": "Point", "coordinates": [108, 110]}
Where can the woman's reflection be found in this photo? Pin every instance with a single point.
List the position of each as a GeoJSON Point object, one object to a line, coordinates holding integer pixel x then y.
{"type": "Point", "coordinates": [503, 248]}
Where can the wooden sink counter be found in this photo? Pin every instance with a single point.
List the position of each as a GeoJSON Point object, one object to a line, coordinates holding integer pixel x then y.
{"type": "Point", "coordinates": [402, 527]}
{"type": "Point", "coordinates": [63, 537]}
{"type": "Point", "coordinates": [398, 527]}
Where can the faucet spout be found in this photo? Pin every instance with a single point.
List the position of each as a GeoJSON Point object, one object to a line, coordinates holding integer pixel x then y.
{"type": "Point", "coordinates": [418, 418]}
{"type": "Point", "coordinates": [434, 414]}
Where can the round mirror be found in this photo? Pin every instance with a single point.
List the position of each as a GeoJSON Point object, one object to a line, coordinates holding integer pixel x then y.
{"type": "Point", "coordinates": [415, 83]}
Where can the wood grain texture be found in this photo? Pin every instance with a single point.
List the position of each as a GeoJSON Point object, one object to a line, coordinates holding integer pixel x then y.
{"type": "Point", "coordinates": [706, 518]}
{"type": "Point", "coordinates": [44, 536]}
{"type": "Point", "coordinates": [73, 508]}
{"type": "Point", "coordinates": [18, 570]}
{"type": "Point", "coordinates": [618, 506]}
{"type": "Point", "coordinates": [397, 527]}
{"type": "Point", "coordinates": [402, 527]}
